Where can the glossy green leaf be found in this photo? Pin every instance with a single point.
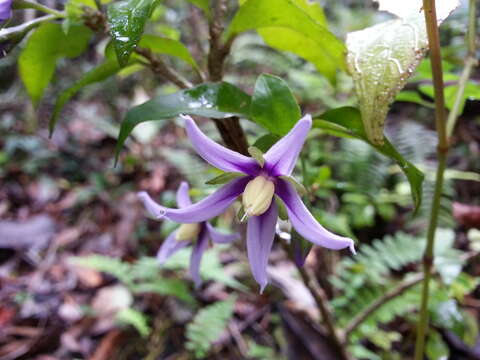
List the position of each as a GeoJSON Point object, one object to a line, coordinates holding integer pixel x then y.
{"type": "Point", "coordinates": [266, 142]}
{"type": "Point", "coordinates": [273, 105]}
{"type": "Point", "coordinates": [382, 57]}
{"type": "Point", "coordinates": [224, 178]}
{"type": "Point", "coordinates": [202, 4]}
{"type": "Point", "coordinates": [292, 25]}
{"type": "Point", "coordinates": [218, 100]}
{"type": "Point", "coordinates": [168, 46]}
{"type": "Point", "coordinates": [45, 46]}
{"type": "Point", "coordinates": [347, 122]}
{"type": "Point", "coordinates": [127, 20]}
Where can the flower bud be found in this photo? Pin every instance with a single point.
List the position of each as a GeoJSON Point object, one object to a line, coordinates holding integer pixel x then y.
{"type": "Point", "coordinates": [258, 196]}
{"type": "Point", "coordinates": [188, 232]}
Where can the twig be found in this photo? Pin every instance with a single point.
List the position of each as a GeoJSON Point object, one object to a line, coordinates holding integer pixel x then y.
{"type": "Point", "coordinates": [27, 4]}
{"type": "Point", "coordinates": [161, 68]}
{"type": "Point", "coordinates": [442, 151]}
{"type": "Point", "coordinates": [230, 129]}
{"type": "Point", "coordinates": [321, 300]}
{"type": "Point", "coordinates": [374, 306]}
{"type": "Point", "coordinates": [470, 62]}
{"type": "Point", "coordinates": [18, 32]}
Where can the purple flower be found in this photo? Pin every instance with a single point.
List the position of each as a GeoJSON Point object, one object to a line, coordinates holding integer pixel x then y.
{"type": "Point", "coordinates": [260, 181]}
{"type": "Point", "coordinates": [196, 233]}
{"type": "Point", "coordinates": [5, 9]}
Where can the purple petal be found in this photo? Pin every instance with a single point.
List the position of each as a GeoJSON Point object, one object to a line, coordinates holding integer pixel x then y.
{"type": "Point", "coordinates": [217, 155]}
{"type": "Point", "coordinates": [5, 9]}
{"type": "Point", "coordinates": [183, 199]}
{"type": "Point", "coordinates": [260, 235]}
{"type": "Point", "coordinates": [197, 252]}
{"type": "Point", "coordinates": [205, 209]}
{"type": "Point", "coordinates": [280, 159]}
{"type": "Point", "coordinates": [169, 247]}
{"type": "Point", "coordinates": [219, 237]}
{"type": "Point", "coordinates": [304, 222]}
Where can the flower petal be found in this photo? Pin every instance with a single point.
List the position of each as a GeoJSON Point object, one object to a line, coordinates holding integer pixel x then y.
{"type": "Point", "coordinates": [5, 9]}
{"type": "Point", "coordinates": [217, 155]}
{"type": "Point", "coordinates": [260, 235]}
{"type": "Point", "coordinates": [197, 252]}
{"type": "Point", "coordinates": [304, 222]}
{"type": "Point", "coordinates": [183, 199]}
{"type": "Point", "coordinates": [280, 159]}
{"type": "Point", "coordinates": [219, 237]}
{"type": "Point", "coordinates": [169, 247]}
{"type": "Point", "coordinates": [203, 210]}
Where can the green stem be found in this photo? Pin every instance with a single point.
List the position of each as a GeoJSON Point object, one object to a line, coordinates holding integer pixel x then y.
{"type": "Point", "coordinates": [27, 4]}
{"type": "Point", "coordinates": [442, 151]}
{"type": "Point", "coordinates": [470, 63]}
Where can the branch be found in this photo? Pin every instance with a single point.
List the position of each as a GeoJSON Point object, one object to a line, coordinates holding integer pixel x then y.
{"type": "Point", "coordinates": [229, 129]}
{"type": "Point", "coordinates": [470, 62]}
{"type": "Point", "coordinates": [161, 68]}
{"type": "Point", "coordinates": [374, 306]}
{"type": "Point", "coordinates": [16, 33]}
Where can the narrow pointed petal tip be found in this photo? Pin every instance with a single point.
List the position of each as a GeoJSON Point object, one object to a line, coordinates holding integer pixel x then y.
{"type": "Point", "coordinates": [216, 154]}
{"type": "Point", "coordinates": [196, 258]}
{"type": "Point", "coordinates": [169, 247]}
{"type": "Point", "coordinates": [281, 158]}
{"type": "Point", "coordinates": [304, 222]}
{"type": "Point", "coordinates": [260, 235]}
{"type": "Point", "coordinates": [155, 210]}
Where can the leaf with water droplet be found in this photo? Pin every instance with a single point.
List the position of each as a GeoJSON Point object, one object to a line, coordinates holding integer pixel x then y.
{"type": "Point", "coordinates": [381, 58]}
{"type": "Point", "coordinates": [217, 100]}
{"type": "Point", "coordinates": [127, 20]}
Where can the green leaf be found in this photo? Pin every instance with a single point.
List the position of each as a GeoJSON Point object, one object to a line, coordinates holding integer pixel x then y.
{"type": "Point", "coordinates": [168, 46]}
{"type": "Point", "coordinates": [347, 122]}
{"type": "Point", "coordinates": [266, 142]}
{"type": "Point", "coordinates": [218, 100]}
{"type": "Point", "coordinates": [135, 318]}
{"type": "Point", "coordinates": [292, 25]}
{"type": "Point", "coordinates": [45, 46]}
{"type": "Point", "coordinates": [108, 68]}
{"type": "Point", "coordinates": [207, 326]}
{"type": "Point", "coordinates": [127, 19]}
{"type": "Point", "coordinates": [202, 4]}
{"type": "Point", "coordinates": [273, 105]}
{"type": "Point", "coordinates": [414, 97]}
{"type": "Point", "coordinates": [382, 57]}
{"type": "Point", "coordinates": [224, 178]}
{"type": "Point", "coordinates": [257, 154]}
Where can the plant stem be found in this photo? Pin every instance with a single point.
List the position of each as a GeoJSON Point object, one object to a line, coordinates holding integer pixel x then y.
{"type": "Point", "coordinates": [321, 300]}
{"type": "Point", "coordinates": [442, 150]}
{"type": "Point", "coordinates": [230, 129]}
{"type": "Point", "coordinates": [470, 63]}
{"type": "Point", "coordinates": [27, 4]}
{"type": "Point", "coordinates": [374, 306]}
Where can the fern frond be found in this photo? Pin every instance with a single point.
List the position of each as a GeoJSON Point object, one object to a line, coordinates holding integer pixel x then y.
{"type": "Point", "coordinates": [207, 326]}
